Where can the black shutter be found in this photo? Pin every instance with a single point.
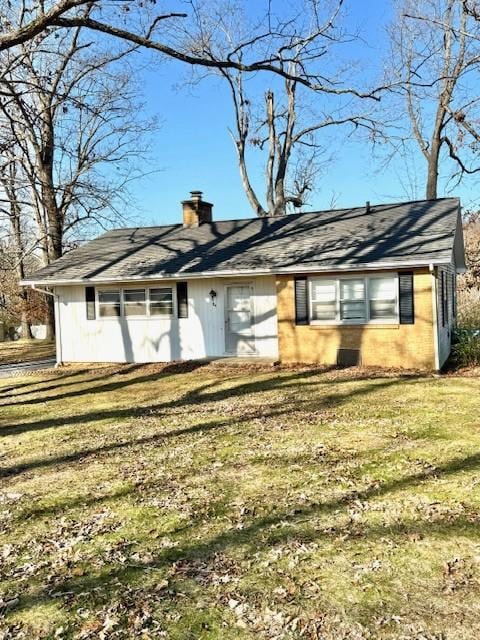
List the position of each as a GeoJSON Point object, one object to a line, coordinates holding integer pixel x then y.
{"type": "Point", "coordinates": [90, 302]}
{"type": "Point", "coordinates": [406, 305]}
{"type": "Point", "coordinates": [301, 301]}
{"type": "Point", "coordinates": [182, 300]}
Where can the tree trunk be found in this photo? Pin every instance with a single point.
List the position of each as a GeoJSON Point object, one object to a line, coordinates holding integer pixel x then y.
{"type": "Point", "coordinates": [285, 149]}
{"type": "Point", "coordinates": [272, 139]}
{"type": "Point", "coordinates": [50, 319]}
{"type": "Point", "coordinates": [26, 328]}
{"type": "Point", "coordinates": [432, 172]}
{"type": "Point", "coordinates": [252, 198]}
{"type": "Point", "coordinates": [15, 219]}
{"type": "Point", "coordinates": [53, 214]}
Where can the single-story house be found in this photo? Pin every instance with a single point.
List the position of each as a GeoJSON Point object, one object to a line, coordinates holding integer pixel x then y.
{"type": "Point", "coordinates": [374, 285]}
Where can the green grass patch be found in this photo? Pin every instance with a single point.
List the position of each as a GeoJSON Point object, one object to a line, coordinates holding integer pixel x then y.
{"type": "Point", "coordinates": [213, 502]}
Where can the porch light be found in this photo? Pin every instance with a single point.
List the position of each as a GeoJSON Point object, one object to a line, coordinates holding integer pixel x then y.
{"type": "Point", "coordinates": [213, 297]}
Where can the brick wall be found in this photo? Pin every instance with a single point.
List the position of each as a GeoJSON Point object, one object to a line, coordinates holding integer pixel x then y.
{"type": "Point", "coordinates": [398, 345]}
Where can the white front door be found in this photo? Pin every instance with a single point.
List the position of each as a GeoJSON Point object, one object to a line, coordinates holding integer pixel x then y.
{"type": "Point", "coordinates": [239, 336]}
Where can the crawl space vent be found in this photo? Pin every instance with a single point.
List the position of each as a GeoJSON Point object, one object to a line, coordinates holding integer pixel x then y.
{"type": "Point", "coordinates": [348, 357]}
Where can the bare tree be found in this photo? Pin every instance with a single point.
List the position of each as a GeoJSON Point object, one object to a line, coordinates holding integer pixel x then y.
{"type": "Point", "coordinates": [18, 305]}
{"type": "Point", "coordinates": [68, 112]}
{"type": "Point", "coordinates": [12, 211]}
{"type": "Point", "coordinates": [281, 126]}
{"type": "Point", "coordinates": [290, 144]}
{"type": "Point", "coordinates": [69, 116]}
{"type": "Point", "coordinates": [435, 61]}
{"type": "Point", "coordinates": [174, 34]}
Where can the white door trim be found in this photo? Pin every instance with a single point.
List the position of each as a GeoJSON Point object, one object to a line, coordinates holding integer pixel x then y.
{"type": "Point", "coordinates": [251, 286]}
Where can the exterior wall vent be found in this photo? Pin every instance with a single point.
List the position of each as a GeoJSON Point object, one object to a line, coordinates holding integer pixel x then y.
{"type": "Point", "coordinates": [348, 357]}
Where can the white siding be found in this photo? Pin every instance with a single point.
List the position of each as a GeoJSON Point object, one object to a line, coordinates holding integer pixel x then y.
{"type": "Point", "coordinates": [445, 326]}
{"type": "Point", "coordinates": [158, 339]}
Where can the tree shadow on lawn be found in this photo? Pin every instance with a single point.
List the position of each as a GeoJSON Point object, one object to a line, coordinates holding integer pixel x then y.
{"type": "Point", "coordinates": [58, 384]}
{"type": "Point", "coordinates": [198, 396]}
{"type": "Point", "coordinates": [170, 369]}
{"type": "Point", "coordinates": [271, 530]}
{"type": "Point", "coordinates": [33, 382]}
{"type": "Point", "coordinates": [174, 368]}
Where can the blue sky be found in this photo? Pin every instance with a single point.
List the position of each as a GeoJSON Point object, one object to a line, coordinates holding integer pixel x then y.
{"type": "Point", "coordinates": [192, 149]}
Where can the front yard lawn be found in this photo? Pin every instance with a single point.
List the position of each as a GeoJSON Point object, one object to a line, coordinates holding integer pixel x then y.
{"type": "Point", "coordinates": [26, 351]}
{"type": "Point", "coordinates": [205, 502]}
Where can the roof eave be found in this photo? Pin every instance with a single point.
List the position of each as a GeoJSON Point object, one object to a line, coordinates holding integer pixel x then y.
{"type": "Point", "coordinates": [229, 273]}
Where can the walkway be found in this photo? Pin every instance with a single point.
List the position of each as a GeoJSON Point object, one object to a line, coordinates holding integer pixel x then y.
{"type": "Point", "coordinates": [18, 369]}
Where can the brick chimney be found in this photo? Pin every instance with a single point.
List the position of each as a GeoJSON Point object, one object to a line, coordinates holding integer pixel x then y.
{"type": "Point", "coordinates": [196, 211]}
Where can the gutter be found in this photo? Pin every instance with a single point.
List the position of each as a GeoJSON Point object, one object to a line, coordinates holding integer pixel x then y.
{"type": "Point", "coordinates": [234, 273]}
{"type": "Point", "coordinates": [58, 341]}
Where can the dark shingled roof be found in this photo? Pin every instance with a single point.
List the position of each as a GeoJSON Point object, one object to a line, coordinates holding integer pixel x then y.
{"type": "Point", "coordinates": [420, 233]}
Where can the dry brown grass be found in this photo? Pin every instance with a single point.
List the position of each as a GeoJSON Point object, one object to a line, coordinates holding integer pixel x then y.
{"type": "Point", "coordinates": [25, 351]}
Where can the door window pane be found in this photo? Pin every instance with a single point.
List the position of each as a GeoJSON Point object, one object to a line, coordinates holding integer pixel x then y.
{"type": "Point", "coordinates": [239, 310]}
{"type": "Point", "coordinates": [161, 302]}
{"type": "Point", "coordinates": [239, 298]}
{"type": "Point", "coordinates": [135, 302]}
{"type": "Point", "coordinates": [109, 303]}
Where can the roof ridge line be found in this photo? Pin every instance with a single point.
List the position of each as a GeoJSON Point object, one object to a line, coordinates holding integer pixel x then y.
{"type": "Point", "coordinates": [290, 215]}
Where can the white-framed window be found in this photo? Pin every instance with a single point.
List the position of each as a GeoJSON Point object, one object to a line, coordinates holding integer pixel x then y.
{"type": "Point", "coordinates": [354, 300]}
{"type": "Point", "coordinates": [109, 303]}
{"type": "Point", "coordinates": [135, 302]}
{"type": "Point", "coordinates": [161, 301]}
{"type": "Point", "coordinates": [323, 296]}
{"type": "Point", "coordinates": [383, 296]}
